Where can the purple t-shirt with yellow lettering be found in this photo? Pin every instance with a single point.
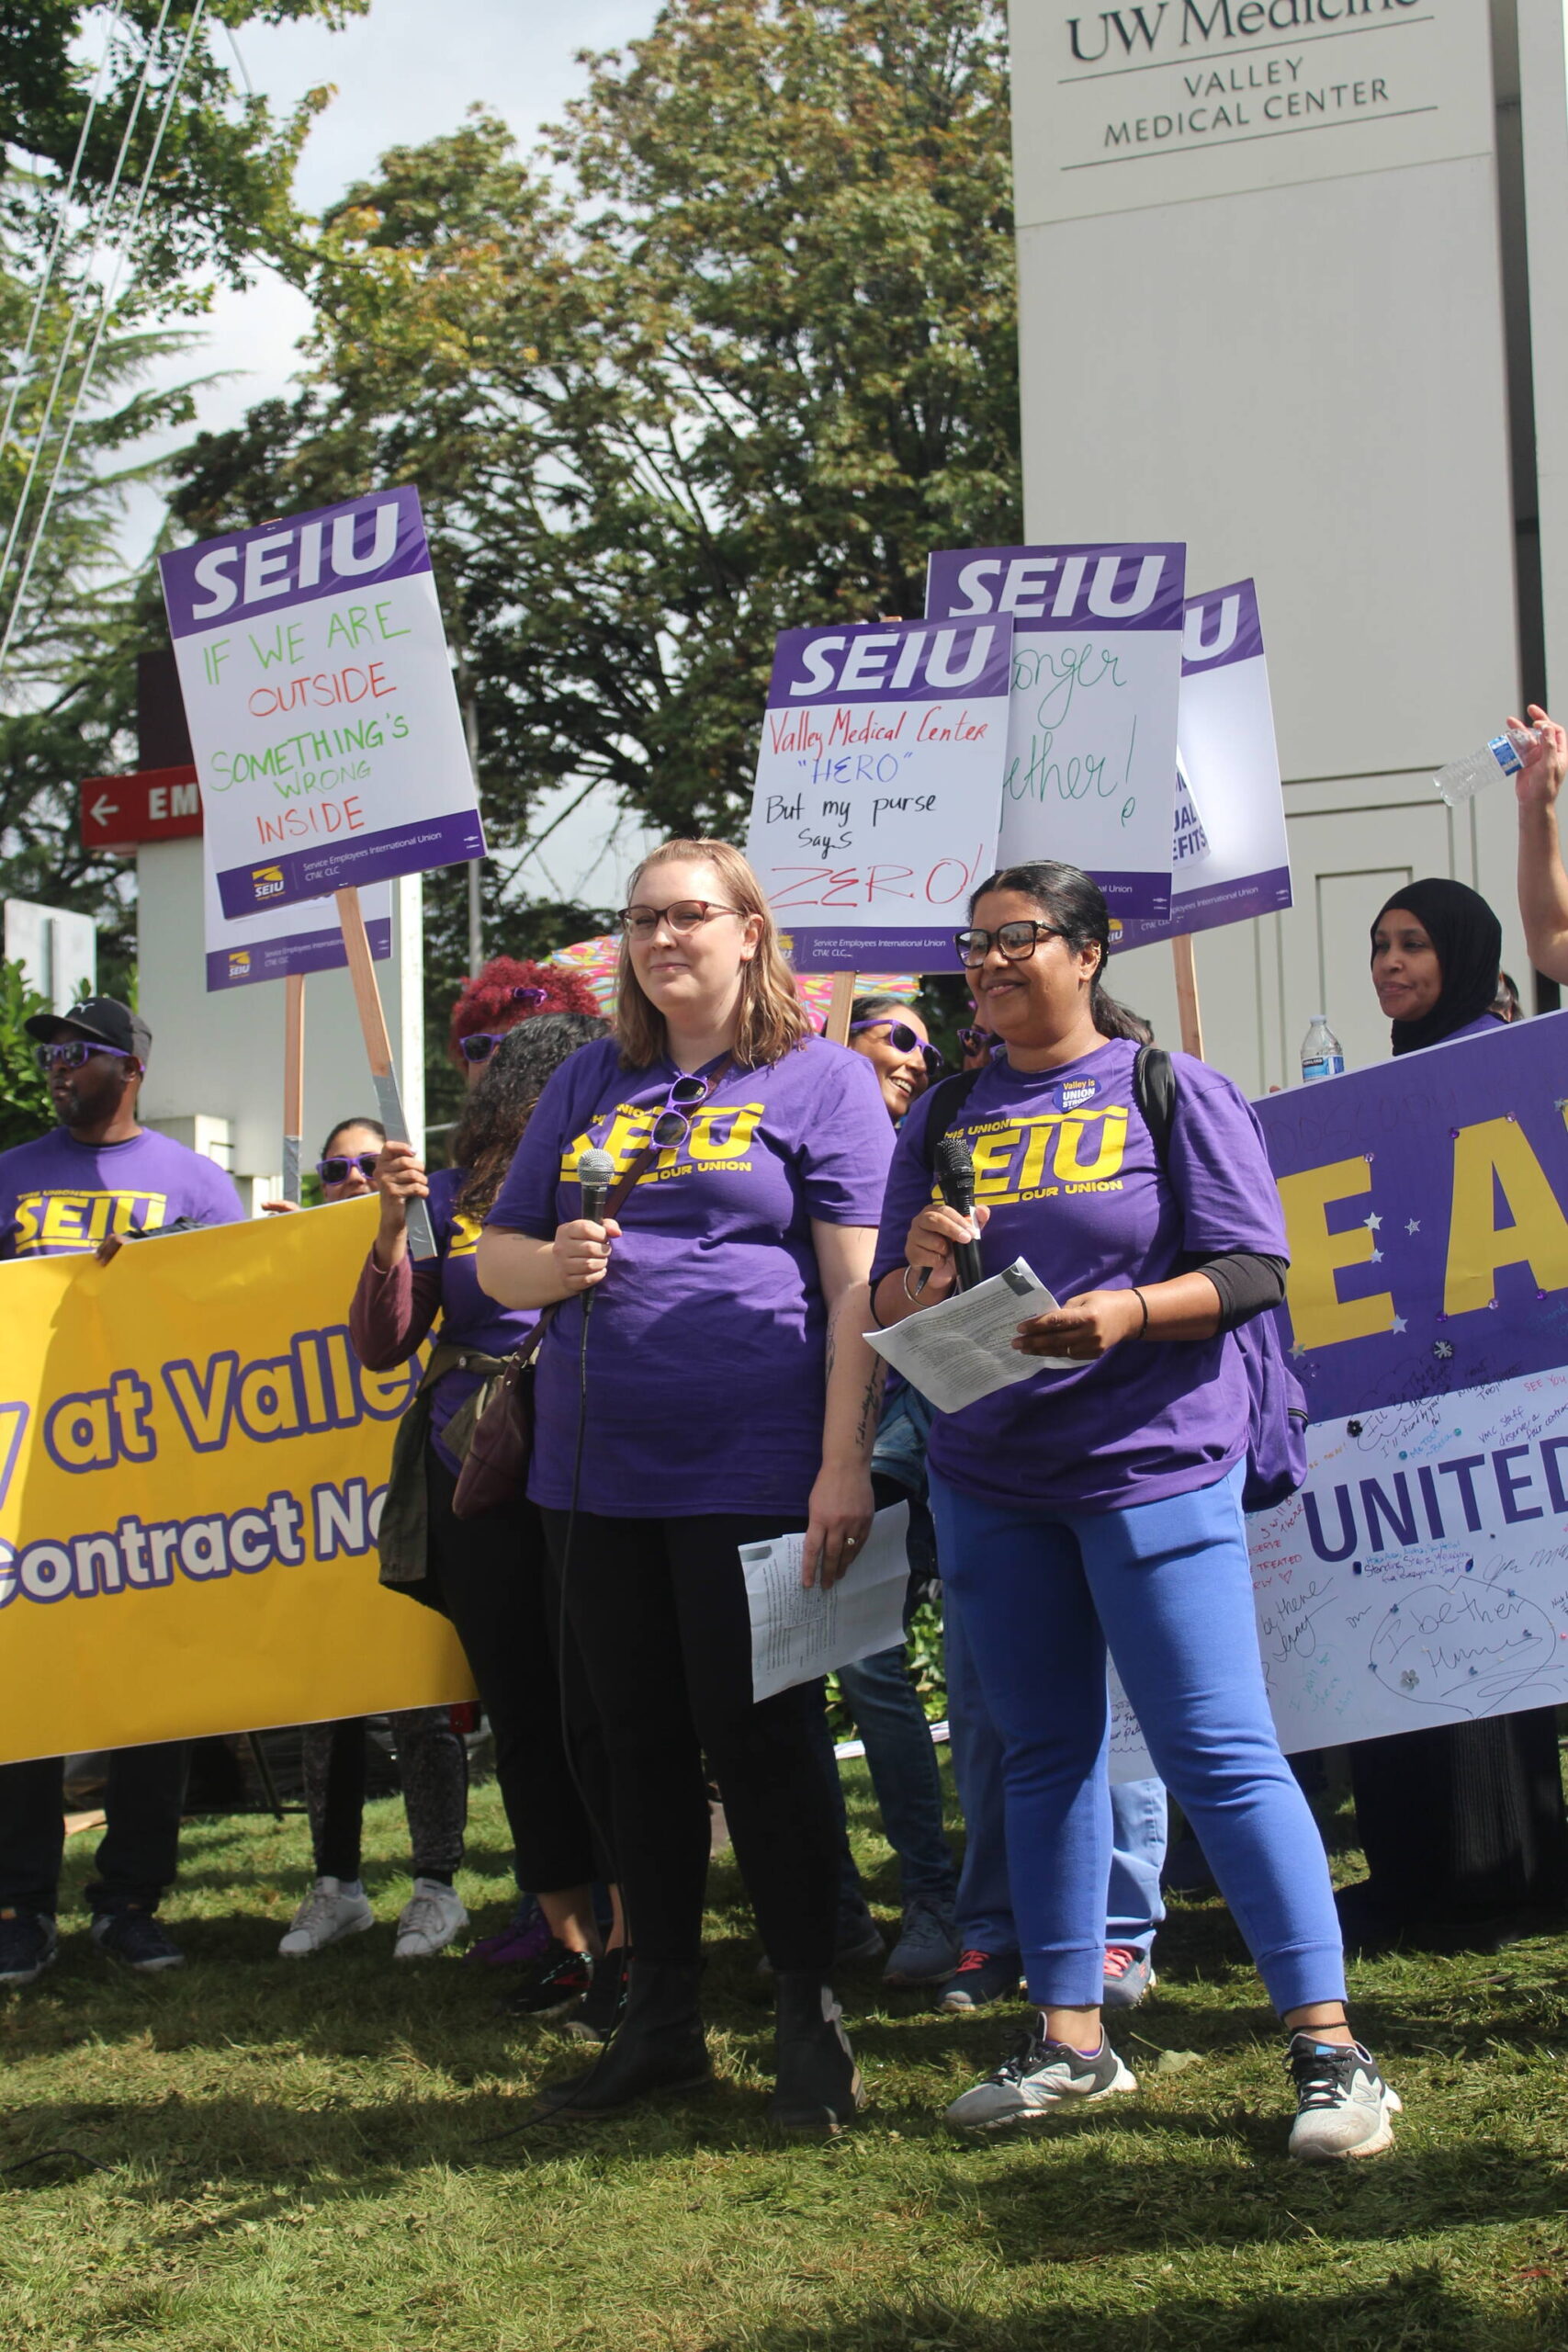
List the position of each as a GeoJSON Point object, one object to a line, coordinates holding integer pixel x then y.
{"type": "Point", "coordinates": [705, 1347]}
{"type": "Point", "coordinates": [58, 1197]}
{"type": "Point", "coordinates": [1069, 1170]}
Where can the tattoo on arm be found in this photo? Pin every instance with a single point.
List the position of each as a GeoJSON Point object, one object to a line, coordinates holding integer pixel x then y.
{"type": "Point", "coordinates": [870, 1410]}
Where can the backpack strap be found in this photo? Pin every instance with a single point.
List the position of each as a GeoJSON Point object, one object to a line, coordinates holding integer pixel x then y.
{"type": "Point", "coordinates": [1154, 1092]}
{"type": "Point", "coordinates": [948, 1097]}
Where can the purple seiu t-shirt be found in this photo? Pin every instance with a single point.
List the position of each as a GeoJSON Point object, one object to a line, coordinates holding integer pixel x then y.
{"type": "Point", "coordinates": [470, 1317]}
{"type": "Point", "coordinates": [60, 1198]}
{"type": "Point", "coordinates": [1068, 1170]}
{"type": "Point", "coordinates": [705, 1347]}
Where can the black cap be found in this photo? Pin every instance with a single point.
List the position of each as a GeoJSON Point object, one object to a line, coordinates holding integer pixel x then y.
{"type": "Point", "coordinates": [103, 1017]}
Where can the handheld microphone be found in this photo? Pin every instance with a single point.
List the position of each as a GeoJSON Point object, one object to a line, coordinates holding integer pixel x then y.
{"type": "Point", "coordinates": [597, 1174]}
{"type": "Point", "coordinates": [955, 1183]}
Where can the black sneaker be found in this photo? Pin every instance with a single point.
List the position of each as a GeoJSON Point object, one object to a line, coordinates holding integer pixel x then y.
{"type": "Point", "coordinates": [1042, 2078]}
{"type": "Point", "coordinates": [980, 1978]}
{"type": "Point", "coordinates": [1343, 2104]}
{"type": "Point", "coordinates": [557, 1981]}
{"type": "Point", "coordinates": [134, 1938]}
{"type": "Point", "coordinates": [28, 1945]}
{"type": "Point", "coordinates": [602, 2007]}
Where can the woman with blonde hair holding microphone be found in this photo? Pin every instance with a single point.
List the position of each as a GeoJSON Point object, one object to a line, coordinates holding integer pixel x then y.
{"type": "Point", "coordinates": [704, 1407]}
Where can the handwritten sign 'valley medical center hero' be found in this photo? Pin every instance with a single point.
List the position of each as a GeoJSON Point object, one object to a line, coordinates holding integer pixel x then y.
{"type": "Point", "coordinates": [879, 786]}
{"type": "Point", "coordinates": [322, 714]}
{"type": "Point", "coordinates": [1092, 724]}
{"type": "Point", "coordinates": [1171, 100]}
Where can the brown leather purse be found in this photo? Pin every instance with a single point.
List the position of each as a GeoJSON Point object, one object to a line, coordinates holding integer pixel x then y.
{"type": "Point", "coordinates": [495, 1461]}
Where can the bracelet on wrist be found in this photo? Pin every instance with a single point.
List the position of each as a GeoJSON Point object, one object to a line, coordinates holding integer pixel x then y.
{"type": "Point", "coordinates": [1143, 1330]}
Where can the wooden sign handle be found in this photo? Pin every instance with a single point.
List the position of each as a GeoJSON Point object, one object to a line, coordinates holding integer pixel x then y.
{"type": "Point", "coordinates": [293, 1082]}
{"type": "Point", "coordinates": [840, 1004]}
{"type": "Point", "coordinates": [379, 1047]}
{"type": "Point", "coordinates": [1188, 1012]}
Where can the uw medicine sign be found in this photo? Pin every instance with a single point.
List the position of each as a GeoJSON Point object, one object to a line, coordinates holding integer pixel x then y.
{"type": "Point", "coordinates": [1175, 99]}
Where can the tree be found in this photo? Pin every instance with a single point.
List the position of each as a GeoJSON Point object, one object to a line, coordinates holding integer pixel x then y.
{"type": "Point", "coordinates": [744, 373]}
{"type": "Point", "coordinates": [68, 693]}
{"type": "Point", "coordinates": [26, 1110]}
{"type": "Point", "coordinates": [221, 190]}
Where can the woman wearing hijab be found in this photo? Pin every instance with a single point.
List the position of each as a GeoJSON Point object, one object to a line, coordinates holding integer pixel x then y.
{"type": "Point", "coordinates": [1462, 1825]}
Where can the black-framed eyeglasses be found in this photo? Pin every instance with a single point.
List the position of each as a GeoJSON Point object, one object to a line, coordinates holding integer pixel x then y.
{"type": "Point", "coordinates": [338, 1169]}
{"type": "Point", "coordinates": [685, 915]}
{"type": "Point", "coordinates": [904, 1040]}
{"type": "Point", "coordinates": [1015, 941]}
{"type": "Point", "coordinates": [672, 1125]}
{"type": "Point", "coordinates": [75, 1053]}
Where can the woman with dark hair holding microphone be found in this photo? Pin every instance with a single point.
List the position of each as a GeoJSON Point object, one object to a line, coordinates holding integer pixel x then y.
{"type": "Point", "coordinates": [1100, 1507]}
{"type": "Point", "coordinates": [703, 1407]}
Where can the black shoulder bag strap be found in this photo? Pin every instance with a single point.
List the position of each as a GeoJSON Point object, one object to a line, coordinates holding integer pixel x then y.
{"type": "Point", "coordinates": [1154, 1092]}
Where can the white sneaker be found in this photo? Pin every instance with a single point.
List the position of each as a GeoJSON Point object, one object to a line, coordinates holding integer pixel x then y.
{"type": "Point", "coordinates": [1042, 2078]}
{"type": "Point", "coordinates": [325, 1916]}
{"type": "Point", "coordinates": [431, 1918]}
{"type": "Point", "coordinates": [1343, 2104]}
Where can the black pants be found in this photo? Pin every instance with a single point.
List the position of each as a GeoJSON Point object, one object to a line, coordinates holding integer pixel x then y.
{"type": "Point", "coordinates": [1463, 1821]}
{"type": "Point", "coordinates": [493, 1577]}
{"type": "Point", "coordinates": [659, 1609]}
{"type": "Point", "coordinates": [137, 1856]}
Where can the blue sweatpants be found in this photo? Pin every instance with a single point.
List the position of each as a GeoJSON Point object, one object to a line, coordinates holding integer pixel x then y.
{"type": "Point", "coordinates": [1168, 1585]}
{"type": "Point", "coordinates": [983, 1912]}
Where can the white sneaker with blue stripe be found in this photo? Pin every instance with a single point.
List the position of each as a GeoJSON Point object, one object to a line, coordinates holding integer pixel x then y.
{"type": "Point", "coordinates": [1042, 2079]}
{"type": "Point", "coordinates": [1343, 2104]}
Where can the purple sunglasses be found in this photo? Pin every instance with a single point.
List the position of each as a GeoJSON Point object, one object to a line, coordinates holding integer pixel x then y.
{"type": "Point", "coordinates": [903, 1039]}
{"type": "Point", "coordinates": [479, 1048]}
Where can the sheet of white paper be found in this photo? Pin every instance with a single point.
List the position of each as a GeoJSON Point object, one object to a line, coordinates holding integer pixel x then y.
{"type": "Point", "coordinates": [962, 1351]}
{"type": "Point", "coordinates": [798, 1633]}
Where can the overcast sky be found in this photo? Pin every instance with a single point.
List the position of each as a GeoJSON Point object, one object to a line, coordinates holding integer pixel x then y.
{"type": "Point", "coordinates": [406, 73]}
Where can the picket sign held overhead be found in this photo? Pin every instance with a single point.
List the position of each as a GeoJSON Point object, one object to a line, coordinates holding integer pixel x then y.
{"type": "Point", "coordinates": [318, 692]}
{"type": "Point", "coordinates": [1091, 775]}
{"type": "Point", "coordinates": [324, 722]}
{"type": "Point", "coordinates": [878, 789]}
{"type": "Point", "coordinates": [1230, 855]}
{"type": "Point", "coordinates": [306, 937]}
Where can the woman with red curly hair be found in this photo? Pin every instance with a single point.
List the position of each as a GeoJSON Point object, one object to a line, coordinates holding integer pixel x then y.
{"type": "Point", "coordinates": [504, 993]}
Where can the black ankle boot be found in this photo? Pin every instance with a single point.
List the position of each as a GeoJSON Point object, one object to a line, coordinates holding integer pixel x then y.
{"type": "Point", "coordinates": [818, 2082]}
{"type": "Point", "coordinates": [658, 2046]}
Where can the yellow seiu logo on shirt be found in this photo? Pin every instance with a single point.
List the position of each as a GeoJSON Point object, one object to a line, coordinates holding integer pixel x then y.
{"type": "Point", "coordinates": [1049, 1152]}
{"type": "Point", "coordinates": [466, 1232]}
{"type": "Point", "coordinates": [51, 1222]}
{"type": "Point", "coordinates": [719, 1138]}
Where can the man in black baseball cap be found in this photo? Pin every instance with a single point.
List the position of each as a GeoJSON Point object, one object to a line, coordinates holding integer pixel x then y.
{"type": "Point", "coordinates": [100, 1017]}
{"type": "Point", "coordinates": [95, 1181]}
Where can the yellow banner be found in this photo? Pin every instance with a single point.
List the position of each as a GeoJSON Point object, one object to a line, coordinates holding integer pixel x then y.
{"type": "Point", "coordinates": [192, 1461]}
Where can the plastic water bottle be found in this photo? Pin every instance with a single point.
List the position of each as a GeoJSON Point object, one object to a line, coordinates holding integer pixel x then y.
{"type": "Point", "coordinates": [1323, 1056]}
{"type": "Point", "coordinates": [1462, 779]}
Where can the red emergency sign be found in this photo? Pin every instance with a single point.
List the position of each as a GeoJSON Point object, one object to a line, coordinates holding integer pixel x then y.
{"type": "Point", "coordinates": [123, 811]}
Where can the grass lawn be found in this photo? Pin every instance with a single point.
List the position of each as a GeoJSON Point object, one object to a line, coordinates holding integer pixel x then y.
{"type": "Point", "coordinates": [320, 2154]}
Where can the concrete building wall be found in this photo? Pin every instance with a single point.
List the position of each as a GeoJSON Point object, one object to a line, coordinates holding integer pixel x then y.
{"type": "Point", "coordinates": [1282, 337]}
